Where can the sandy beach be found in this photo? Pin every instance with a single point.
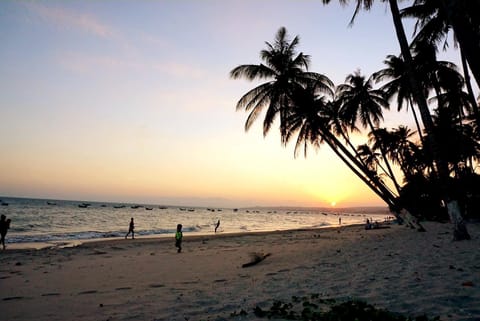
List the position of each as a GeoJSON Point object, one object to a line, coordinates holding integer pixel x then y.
{"type": "Point", "coordinates": [145, 279]}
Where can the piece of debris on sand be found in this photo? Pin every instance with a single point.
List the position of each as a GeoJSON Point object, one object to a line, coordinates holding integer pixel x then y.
{"type": "Point", "coordinates": [256, 258]}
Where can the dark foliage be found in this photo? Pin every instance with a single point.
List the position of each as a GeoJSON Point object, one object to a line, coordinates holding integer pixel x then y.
{"type": "Point", "coordinates": [422, 197]}
{"type": "Point", "coordinates": [314, 308]}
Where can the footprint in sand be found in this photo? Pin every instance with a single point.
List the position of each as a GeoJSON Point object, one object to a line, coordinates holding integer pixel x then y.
{"type": "Point", "coordinates": [123, 289]}
{"type": "Point", "coordinates": [97, 252]}
{"type": "Point", "coordinates": [157, 285]}
{"type": "Point", "coordinates": [13, 298]}
{"type": "Point", "coordinates": [88, 292]}
{"type": "Point", "coordinates": [189, 282]}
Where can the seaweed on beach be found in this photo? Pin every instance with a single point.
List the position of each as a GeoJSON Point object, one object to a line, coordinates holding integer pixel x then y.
{"type": "Point", "coordinates": [315, 308]}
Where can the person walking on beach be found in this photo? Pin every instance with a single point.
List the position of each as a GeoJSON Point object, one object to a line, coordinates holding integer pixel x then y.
{"type": "Point", "coordinates": [4, 226]}
{"type": "Point", "coordinates": [131, 229]}
{"type": "Point", "coordinates": [217, 225]}
{"type": "Point", "coordinates": [178, 238]}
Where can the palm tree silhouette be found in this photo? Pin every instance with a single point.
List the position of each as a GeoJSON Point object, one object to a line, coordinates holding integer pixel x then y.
{"type": "Point", "coordinates": [360, 102]}
{"type": "Point", "coordinates": [310, 119]}
{"type": "Point", "coordinates": [466, 32]}
{"type": "Point", "coordinates": [286, 71]}
{"type": "Point", "coordinates": [299, 97]}
{"type": "Point", "coordinates": [432, 27]}
{"type": "Point", "coordinates": [398, 86]}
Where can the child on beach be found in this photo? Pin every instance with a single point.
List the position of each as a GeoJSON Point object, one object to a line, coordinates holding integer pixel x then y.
{"type": "Point", "coordinates": [217, 225]}
{"type": "Point", "coordinates": [178, 238]}
{"type": "Point", "coordinates": [4, 226]}
{"type": "Point", "coordinates": [131, 229]}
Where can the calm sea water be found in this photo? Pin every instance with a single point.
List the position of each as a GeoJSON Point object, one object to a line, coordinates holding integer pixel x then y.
{"type": "Point", "coordinates": [41, 222]}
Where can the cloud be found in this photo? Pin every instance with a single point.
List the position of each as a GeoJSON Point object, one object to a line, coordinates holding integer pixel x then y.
{"type": "Point", "coordinates": [179, 70]}
{"type": "Point", "coordinates": [71, 19]}
{"type": "Point", "coordinates": [88, 63]}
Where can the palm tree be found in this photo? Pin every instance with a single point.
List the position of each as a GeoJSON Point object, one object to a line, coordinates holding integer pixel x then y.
{"type": "Point", "coordinates": [286, 70]}
{"type": "Point", "coordinates": [452, 95]}
{"type": "Point", "coordinates": [380, 139]}
{"type": "Point", "coordinates": [339, 127]}
{"type": "Point", "coordinates": [432, 27]}
{"type": "Point", "coordinates": [460, 230]}
{"type": "Point", "coordinates": [293, 93]}
{"type": "Point", "coordinates": [459, 144]}
{"type": "Point", "coordinates": [369, 157]}
{"type": "Point", "coordinates": [310, 120]}
{"type": "Point", "coordinates": [463, 16]}
{"type": "Point", "coordinates": [397, 85]}
{"type": "Point", "coordinates": [360, 102]}
{"type": "Point", "coordinates": [402, 149]}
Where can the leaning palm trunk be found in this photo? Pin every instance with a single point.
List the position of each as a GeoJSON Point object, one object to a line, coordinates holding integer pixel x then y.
{"type": "Point", "coordinates": [402, 214]}
{"type": "Point", "coordinates": [460, 230]}
{"type": "Point", "coordinates": [358, 168]}
{"type": "Point", "coordinates": [417, 124]}
{"type": "Point", "coordinates": [468, 84]}
{"type": "Point", "coordinates": [465, 33]}
{"type": "Point", "coordinates": [358, 157]}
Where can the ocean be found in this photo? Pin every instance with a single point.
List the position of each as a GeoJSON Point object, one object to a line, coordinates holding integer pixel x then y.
{"type": "Point", "coordinates": [39, 223]}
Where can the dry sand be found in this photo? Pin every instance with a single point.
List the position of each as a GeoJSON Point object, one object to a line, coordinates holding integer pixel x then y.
{"type": "Point", "coordinates": [145, 279]}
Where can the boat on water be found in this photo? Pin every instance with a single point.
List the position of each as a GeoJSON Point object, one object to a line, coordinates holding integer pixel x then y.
{"type": "Point", "coordinates": [84, 205]}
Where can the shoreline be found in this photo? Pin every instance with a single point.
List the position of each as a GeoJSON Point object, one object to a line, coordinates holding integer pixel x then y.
{"type": "Point", "coordinates": [21, 246]}
{"type": "Point", "coordinates": [396, 268]}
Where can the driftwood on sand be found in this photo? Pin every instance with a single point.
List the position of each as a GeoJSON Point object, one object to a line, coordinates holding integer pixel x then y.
{"type": "Point", "coordinates": [256, 258]}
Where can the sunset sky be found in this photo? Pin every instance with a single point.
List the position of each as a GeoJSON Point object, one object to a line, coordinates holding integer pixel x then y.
{"type": "Point", "coordinates": [131, 101]}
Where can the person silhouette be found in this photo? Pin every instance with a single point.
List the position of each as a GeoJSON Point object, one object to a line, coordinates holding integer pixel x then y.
{"type": "Point", "coordinates": [4, 226]}
{"type": "Point", "coordinates": [178, 238]}
{"type": "Point", "coordinates": [217, 225]}
{"type": "Point", "coordinates": [131, 229]}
